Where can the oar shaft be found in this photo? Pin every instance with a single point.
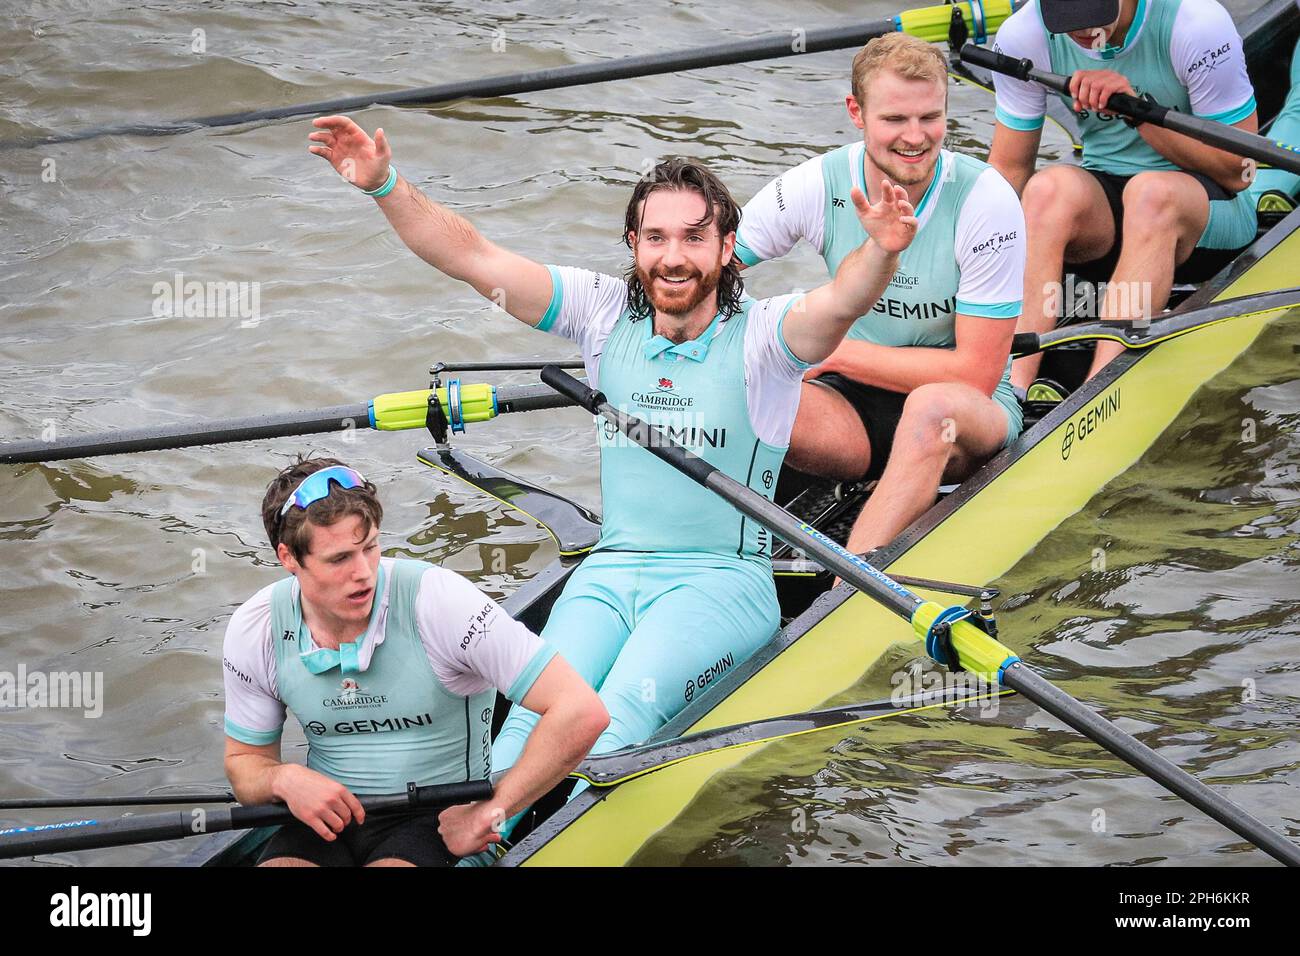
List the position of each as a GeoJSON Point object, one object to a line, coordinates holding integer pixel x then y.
{"type": "Point", "coordinates": [1132, 751]}
{"type": "Point", "coordinates": [185, 434]}
{"type": "Point", "coordinates": [927, 23]}
{"type": "Point", "coordinates": [395, 411]}
{"type": "Point", "coordinates": [136, 800]}
{"type": "Point", "coordinates": [1225, 137]}
{"type": "Point", "coordinates": [91, 834]}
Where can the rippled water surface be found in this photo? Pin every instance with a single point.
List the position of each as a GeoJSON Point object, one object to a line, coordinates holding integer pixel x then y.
{"type": "Point", "coordinates": [132, 565]}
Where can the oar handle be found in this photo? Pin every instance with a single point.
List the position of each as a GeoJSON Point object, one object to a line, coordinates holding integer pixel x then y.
{"type": "Point", "coordinates": [578, 392]}
{"type": "Point", "coordinates": [1143, 110]}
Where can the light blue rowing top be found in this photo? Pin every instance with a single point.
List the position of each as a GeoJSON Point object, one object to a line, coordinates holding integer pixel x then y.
{"type": "Point", "coordinates": [375, 731]}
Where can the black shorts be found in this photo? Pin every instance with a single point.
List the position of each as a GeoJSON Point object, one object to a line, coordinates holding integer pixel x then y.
{"type": "Point", "coordinates": [1200, 265]}
{"type": "Point", "coordinates": [410, 837]}
{"type": "Point", "coordinates": [879, 409]}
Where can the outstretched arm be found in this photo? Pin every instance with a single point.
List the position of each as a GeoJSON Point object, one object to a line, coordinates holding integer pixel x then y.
{"type": "Point", "coordinates": [816, 324]}
{"type": "Point", "coordinates": [440, 237]}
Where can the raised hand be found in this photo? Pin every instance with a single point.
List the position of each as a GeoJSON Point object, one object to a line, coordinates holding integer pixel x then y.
{"type": "Point", "coordinates": [890, 223]}
{"type": "Point", "coordinates": [356, 157]}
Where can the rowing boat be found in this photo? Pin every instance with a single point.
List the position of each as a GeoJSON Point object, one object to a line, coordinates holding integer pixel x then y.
{"type": "Point", "coordinates": [833, 636]}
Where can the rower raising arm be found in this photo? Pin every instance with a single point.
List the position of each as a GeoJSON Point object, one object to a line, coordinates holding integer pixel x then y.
{"type": "Point", "coordinates": [523, 287]}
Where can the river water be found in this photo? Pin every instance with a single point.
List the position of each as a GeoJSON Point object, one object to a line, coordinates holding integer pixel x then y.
{"type": "Point", "coordinates": [131, 566]}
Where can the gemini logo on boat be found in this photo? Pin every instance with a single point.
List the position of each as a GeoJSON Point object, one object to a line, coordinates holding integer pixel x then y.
{"type": "Point", "coordinates": [1088, 421]}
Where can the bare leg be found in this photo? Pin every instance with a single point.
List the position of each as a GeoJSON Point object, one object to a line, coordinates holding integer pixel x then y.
{"type": "Point", "coordinates": [828, 437]}
{"type": "Point", "coordinates": [287, 861]}
{"type": "Point", "coordinates": [947, 429]}
{"type": "Point", "coordinates": [1164, 216]}
{"type": "Point", "coordinates": [1061, 223]}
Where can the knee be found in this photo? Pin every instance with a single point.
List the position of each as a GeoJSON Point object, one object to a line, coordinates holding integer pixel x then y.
{"type": "Point", "coordinates": [1052, 199]}
{"type": "Point", "coordinates": [929, 418]}
{"type": "Point", "coordinates": [1151, 203]}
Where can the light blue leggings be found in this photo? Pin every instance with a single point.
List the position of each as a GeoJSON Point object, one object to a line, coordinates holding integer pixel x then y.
{"type": "Point", "coordinates": [650, 632]}
{"type": "Point", "coordinates": [1285, 129]}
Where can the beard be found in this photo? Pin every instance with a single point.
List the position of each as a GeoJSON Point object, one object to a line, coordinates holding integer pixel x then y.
{"type": "Point", "coordinates": [688, 298]}
{"type": "Point", "coordinates": [904, 174]}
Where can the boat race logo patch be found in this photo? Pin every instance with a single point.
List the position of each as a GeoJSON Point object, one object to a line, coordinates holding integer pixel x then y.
{"type": "Point", "coordinates": [351, 695]}
{"type": "Point", "coordinates": [992, 246]}
{"type": "Point", "coordinates": [1210, 59]}
{"type": "Point", "coordinates": [665, 385]}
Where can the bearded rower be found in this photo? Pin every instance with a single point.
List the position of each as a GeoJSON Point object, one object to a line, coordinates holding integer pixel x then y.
{"type": "Point", "coordinates": [920, 390]}
{"type": "Point", "coordinates": [679, 588]}
{"type": "Point", "coordinates": [392, 668]}
{"type": "Point", "coordinates": [1148, 206]}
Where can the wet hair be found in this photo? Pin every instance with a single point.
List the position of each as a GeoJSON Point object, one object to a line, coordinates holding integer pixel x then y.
{"type": "Point", "coordinates": [908, 56]}
{"type": "Point", "coordinates": [294, 529]}
{"type": "Point", "coordinates": [682, 175]}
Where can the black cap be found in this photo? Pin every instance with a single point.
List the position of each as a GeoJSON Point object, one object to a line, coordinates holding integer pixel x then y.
{"type": "Point", "coordinates": [1066, 16]}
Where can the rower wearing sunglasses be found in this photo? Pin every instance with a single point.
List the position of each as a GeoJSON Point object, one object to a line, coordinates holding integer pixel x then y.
{"type": "Point", "coordinates": [391, 666]}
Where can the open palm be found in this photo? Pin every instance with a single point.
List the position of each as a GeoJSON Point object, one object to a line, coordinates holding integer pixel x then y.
{"type": "Point", "coordinates": [891, 222]}
{"type": "Point", "coordinates": [356, 157]}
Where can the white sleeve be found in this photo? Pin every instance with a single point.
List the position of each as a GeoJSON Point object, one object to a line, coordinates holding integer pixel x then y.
{"type": "Point", "coordinates": [789, 208]}
{"type": "Point", "coordinates": [989, 243]}
{"type": "Point", "coordinates": [472, 643]}
{"type": "Point", "coordinates": [1206, 50]}
{"type": "Point", "coordinates": [254, 712]}
{"type": "Point", "coordinates": [584, 307]}
{"type": "Point", "coordinates": [1022, 104]}
{"type": "Point", "coordinates": [773, 376]}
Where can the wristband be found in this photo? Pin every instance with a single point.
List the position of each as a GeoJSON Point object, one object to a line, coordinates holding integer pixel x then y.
{"type": "Point", "coordinates": [387, 187]}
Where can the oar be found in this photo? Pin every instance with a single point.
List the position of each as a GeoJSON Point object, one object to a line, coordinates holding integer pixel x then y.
{"type": "Point", "coordinates": [138, 800]}
{"type": "Point", "coordinates": [72, 835]}
{"type": "Point", "coordinates": [928, 23]}
{"type": "Point", "coordinates": [457, 404]}
{"type": "Point", "coordinates": [1158, 330]}
{"type": "Point", "coordinates": [608, 770]}
{"type": "Point", "coordinates": [948, 632]}
{"type": "Point", "coordinates": [1225, 137]}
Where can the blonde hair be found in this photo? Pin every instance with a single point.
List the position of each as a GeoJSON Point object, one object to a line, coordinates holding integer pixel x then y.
{"type": "Point", "coordinates": [909, 57]}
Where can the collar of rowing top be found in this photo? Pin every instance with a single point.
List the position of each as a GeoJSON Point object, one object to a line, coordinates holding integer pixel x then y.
{"type": "Point", "coordinates": [696, 349]}
{"type": "Point", "coordinates": [347, 658]}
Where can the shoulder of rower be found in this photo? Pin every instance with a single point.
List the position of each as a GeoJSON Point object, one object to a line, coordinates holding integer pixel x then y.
{"type": "Point", "coordinates": [251, 621]}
